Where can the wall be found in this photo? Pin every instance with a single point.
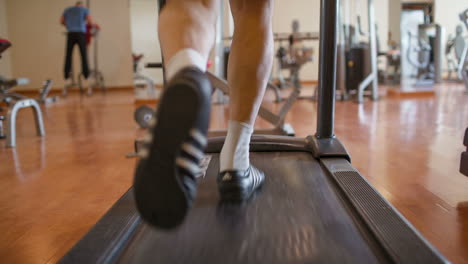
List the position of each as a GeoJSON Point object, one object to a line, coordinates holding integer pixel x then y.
{"type": "Point", "coordinates": [417, 1]}
{"type": "Point", "coordinates": [144, 24]}
{"type": "Point", "coordinates": [5, 61]}
{"type": "Point", "coordinates": [394, 17]}
{"type": "Point", "coordinates": [446, 14]}
{"type": "Point", "coordinates": [39, 42]}
{"type": "Point", "coordinates": [308, 14]}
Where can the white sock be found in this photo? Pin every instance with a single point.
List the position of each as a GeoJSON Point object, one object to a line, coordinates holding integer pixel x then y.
{"type": "Point", "coordinates": [235, 152]}
{"type": "Point", "coordinates": [185, 58]}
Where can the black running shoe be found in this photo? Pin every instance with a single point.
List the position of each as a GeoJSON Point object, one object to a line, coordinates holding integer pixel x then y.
{"type": "Point", "coordinates": [165, 179]}
{"type": "Point", "coordinates": [238, 186]}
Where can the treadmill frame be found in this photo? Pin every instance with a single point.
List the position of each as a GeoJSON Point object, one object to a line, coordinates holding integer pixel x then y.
{"type": "Point", "coordinates": [397, 237]}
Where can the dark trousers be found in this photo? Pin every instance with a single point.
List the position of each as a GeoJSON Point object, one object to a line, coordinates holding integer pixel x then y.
{"type": "Point", "coordinates": [76, 38]}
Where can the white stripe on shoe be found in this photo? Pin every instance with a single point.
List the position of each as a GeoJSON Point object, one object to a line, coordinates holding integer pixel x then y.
{"type": "Point", "coordinates": [199, 137]}
{"type": "Point", "coordinates": [148, 138]}
{"type": "Point", "coordinates": [143, 153]}
{"type": "Point", "coordinates": [193, 151]}
{"type": "Point", "coordinates": [188, 165]}
{"type": "Point", "coordinates": [152, 122]}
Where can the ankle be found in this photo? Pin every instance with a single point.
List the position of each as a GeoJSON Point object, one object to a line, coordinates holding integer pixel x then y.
{"type": "Point", "coordinates": [185, 58]}
{"type": "Point", "coordinates": [235, 152]}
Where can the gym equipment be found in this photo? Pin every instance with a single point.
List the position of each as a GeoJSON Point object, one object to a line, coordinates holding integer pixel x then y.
{"type": "Point", "coordinates": [11, 120]}
{"type": "Point", "coordinates": [456, 54]}
{"type": "Point", "coordinates": [314, 207]}
{"type": "Point", "coordinates": [464, 19]}
{"type": "Point", "coordinates": [422, 64]}
{"type": "Point", "coordinates": [2, 133]}
{"type": "Point", "coordinates": [424, 54]}
{"type": "Point", "coordinates": [276, 119]}
{"type": "Point", "coordinates": [464, 156]}
{"type": "Point", "coordinates": [357, 61]}
{"type": "Point", "coordinates": [429, 50]}
{"type": "Point", "coordinates": [6, 93]}
{"type": "Point", "coordinates": [372, 78]}
{"type": "Point", "coordinates": [96, 78]}
{"type": "Point", "coordinates": [143, 115]}
{"type": "Point", "coordinates": [141, 81]}
{"type": "Point", "coordinates": [4, 45]}
{"type": "Point", "coordinates": [15, 102]}
{"type": "Point", "coordinates": [393, 63]}
{"type": "Point", "coordinates": [294, 56]}
{"type": "Point", "coordinates": [44, 94]}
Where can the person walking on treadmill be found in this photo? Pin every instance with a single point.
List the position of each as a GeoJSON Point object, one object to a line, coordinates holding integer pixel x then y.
{"type": "Point", "coordinates": [74, 19]}
{"type": "Point", "coordinates": [165, 182]}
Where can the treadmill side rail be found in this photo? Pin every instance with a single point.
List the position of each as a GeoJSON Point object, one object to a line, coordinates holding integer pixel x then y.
{"type": "Point", "coordinates": [397, 236]}
{"type": "Point", "coordinates": [264, 143]}
{"type": "Point", "coordinates": [327, 148]}
{"type": "Point", "coordinates": [105, 241]}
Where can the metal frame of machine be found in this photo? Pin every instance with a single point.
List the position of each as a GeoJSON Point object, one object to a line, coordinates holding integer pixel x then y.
{"type": "Point", "coordinates": [116, 236]}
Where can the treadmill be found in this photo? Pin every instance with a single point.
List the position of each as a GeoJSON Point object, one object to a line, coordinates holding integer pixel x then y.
{"type": "Point", "coordinates": [313, 208]}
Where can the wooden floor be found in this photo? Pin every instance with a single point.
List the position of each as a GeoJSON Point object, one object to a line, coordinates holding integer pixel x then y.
{"type": "Point", "coordinates": [53, 190]}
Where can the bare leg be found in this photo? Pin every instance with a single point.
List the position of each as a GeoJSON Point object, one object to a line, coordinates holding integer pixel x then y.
{"type": "Point", "coordinates": [188, 24]}
{"type": "Point", "coordinates": [251, 57]}
{"type": "Point", "coordinates": [248, 72]}
{"type": "Point", "coordinates": [165, 178]}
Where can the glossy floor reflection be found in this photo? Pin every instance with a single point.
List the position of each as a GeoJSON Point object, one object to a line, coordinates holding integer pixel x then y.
{"type": "Point", "coordinates": [53, 190]}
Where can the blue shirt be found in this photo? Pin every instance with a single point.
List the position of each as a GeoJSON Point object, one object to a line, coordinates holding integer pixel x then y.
{"type": "Point", "coordinates": [75, 18]}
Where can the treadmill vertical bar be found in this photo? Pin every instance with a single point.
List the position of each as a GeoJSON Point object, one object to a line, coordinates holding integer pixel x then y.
{"type": "Point", "coordinates": [327, 68]}
{"type": "Point", "coordinates": [161, 4]}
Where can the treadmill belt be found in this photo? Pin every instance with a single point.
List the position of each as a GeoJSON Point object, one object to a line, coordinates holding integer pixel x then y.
{"type": "Point", "coordinates": [297, 217]}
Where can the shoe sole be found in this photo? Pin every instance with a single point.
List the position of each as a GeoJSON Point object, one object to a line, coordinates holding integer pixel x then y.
{"type": "Point", "coordinates": [159, 194]}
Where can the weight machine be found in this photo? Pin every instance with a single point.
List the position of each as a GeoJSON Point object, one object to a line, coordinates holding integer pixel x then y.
{"type": "Point", "coordinates": [429, 53]}
{"type": "Point", "coordinates": [143, 114]}
{"type": "Point", "coordinates": [141, 80]}
{"type": "Point", "coordinates": [294, 56]}
{"type": "Point", "coordinates": [456, 54]}
{"type": "Point", "coordinates": [357, 62]}
{"type": "Point", "coordinates": [464, 19]}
